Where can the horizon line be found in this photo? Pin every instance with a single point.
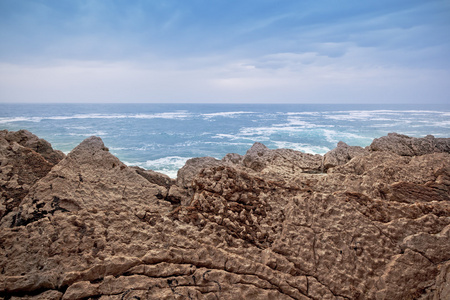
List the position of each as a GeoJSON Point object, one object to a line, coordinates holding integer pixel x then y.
{"type": "Point", "coordinates": [238, 103]}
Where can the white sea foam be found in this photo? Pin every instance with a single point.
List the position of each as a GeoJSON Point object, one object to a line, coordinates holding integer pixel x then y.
{"type": "Point", "coordinates": [310, 113]}
{"type": "Point", "coordinates": [39, 119]}
{"type": "Point", "coordinates": [249, 144]}
{"type": "Point", "coordinates": [442, 124]}
{"type": "Point", "coordinates": [422, 111]}
{"type": "Point", "coordinates": [88, 134]}
{"type": "Point", "coordinates": [86, 116]}
{"type": "Point", "coordinates": [143, 148]}
{"type": "Point", "coordinates": [387, 111]}
{"type": "Point", "coordinates": [267, 131]}
{"type": "Point", "coordinates": [264, 132]}
{"type": "Point", "coordinates": [225, 136]}
{"type": "Point", "coordinates": [168, 165]}
{"type": "Point", "coordinates": [79, 127]}
{"type": "Point", "coordinates": [187, 144]}
{"type": "Point", "coordinates": [384, 125]}
{"type": "Point", "coordinates": [166, 115]}
{"type": "Point", "coordinates": [227, 114]}
{"type": "Point", "coordinates": [379, 115]}
{"type": "Point", "coordinates": [445, 124]}
{"type": "Point", "coordinates": [20, 119]}
{"type": "Point", "coordinates": [277, 128]}
{"type": "Point", "coordinates": [334, 137]}
{"type": "Point", "coordinates": [307, 148]}
{"type": "Point", "coordinates": [119, 148]}
{"type": "Point", "coordinates": [360, 115]}
{"type": "Point", "coordinates": [298, 122]}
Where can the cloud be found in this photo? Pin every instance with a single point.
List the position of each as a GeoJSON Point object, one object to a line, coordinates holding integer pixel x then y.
{"type": "Point", "coordinates": [230, 51]}
{"type": "Point", "coordinates": [80, 81]}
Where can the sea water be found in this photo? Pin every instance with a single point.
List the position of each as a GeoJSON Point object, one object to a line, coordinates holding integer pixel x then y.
{"type": "Point", "coordinates": [162, 137]}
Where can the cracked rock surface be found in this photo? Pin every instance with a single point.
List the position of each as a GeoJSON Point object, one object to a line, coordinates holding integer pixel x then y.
{"type": "Point", "coordinates": [269, 224]}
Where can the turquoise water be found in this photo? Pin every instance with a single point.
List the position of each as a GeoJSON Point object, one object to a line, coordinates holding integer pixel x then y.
{"type": "Point", "coordinates": [163, 136]}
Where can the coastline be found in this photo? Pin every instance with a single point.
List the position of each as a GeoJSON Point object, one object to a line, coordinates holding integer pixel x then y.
{"type": "Point", "coordinates": [162, 137]}
{"type": "Point", "coordinates": [357, 222]}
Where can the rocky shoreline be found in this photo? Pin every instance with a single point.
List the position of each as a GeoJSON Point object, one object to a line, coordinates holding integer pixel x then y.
{"type": "Point", "coordinates": [356, 223]}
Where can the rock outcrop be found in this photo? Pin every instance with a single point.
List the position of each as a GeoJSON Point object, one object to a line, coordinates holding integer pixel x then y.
{"type": "Point", "coordinates": [24, 159]}
{"type": "Point", "coordinates": [342, 154]}
{"type": "Point", "coordinates": [265, 225]}
{"type": "Point", "coordinates": [410, 146]}
{"type": "Point", "coordinates": [29, 140]}
{"type": "Point", "coordinates": [261, 159]}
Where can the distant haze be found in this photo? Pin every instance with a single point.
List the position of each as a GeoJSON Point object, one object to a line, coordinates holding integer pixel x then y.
{"type": "Point", "coordinates": [256, 51]}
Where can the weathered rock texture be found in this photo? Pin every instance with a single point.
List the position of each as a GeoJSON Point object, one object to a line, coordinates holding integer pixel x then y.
{"type": "Point", "coordinates": [24, 159]}
{"type": "Point", "coordinates": [265, 225]}
{"type": "Point", "coordinates": [410, 146]}
{"type": "Point", "coordinates": [342, 154]}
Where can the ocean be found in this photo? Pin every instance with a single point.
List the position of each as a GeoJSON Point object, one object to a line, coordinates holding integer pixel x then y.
{"type": "Point", "coordinates": [162, 137]}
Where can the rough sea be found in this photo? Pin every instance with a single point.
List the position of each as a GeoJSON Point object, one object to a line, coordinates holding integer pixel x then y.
{"type": "Point", "coordinates": [162, 137]}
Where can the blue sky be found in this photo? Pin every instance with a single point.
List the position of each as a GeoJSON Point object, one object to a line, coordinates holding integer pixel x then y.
{"type": "Point", "coordinates": [225, 51]}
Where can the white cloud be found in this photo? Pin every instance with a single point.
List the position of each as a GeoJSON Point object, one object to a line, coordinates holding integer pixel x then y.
{"type": "Point", "coordinates": [280, 77]}
{"type": "Point", "coordinates": [180, 51]}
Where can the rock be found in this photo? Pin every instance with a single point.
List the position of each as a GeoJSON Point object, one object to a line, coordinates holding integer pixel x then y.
{"type": "Point", "coordinates": [410, 146]}
{"type": "Point", "coordinates": [21, 166]}
{"type": "Point", "coordinates": [266, 225]}
{"type": "Point", "coordinates": [441, 287]}
{"type": "Point", "coordinates": [264, 160]}
{"type": "Point", "coordinates": [177, 195]}
{"type": "Point", "coordinates": [342, 154]}
{"type": "Point", "coordinates": [253, 158]}
{"type": "Point", "coordinates": [88, 170]}
{"type": "Point", "coordinates": [155, 177]}
{"type": "Point", "coordinates": [29, 140]}
{"type": "Point", "coordinates": [233, 158]}
{"type": "Point", "coordinates": [432, 246]}
{"type": "Point", "coordinates": [406, 276]}
{"type": "Point", "coordinates": [192, 167]}
{"type": "Point", "coordinates": [47, 295]}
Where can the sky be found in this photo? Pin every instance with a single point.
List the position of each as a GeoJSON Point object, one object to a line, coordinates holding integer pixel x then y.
{"type": "Point", "coordinates": [225, 51]}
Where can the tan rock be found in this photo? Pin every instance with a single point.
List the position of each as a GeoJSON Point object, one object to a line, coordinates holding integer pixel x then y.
{"type": "Point", "coordinates": [266, 225]}
{"type": "Point", "coordinates": [29, 140]}
{"type": "Point", "coordinates": [342, 154]}
{"type": "Point", "coordinates": [262, 159]}
{"type": "Point", "coordinates": [21, 166]}
{"type": "Point", "coordinates": [155, 177]}
{"type": "Point", "coordinates": [410, 146]}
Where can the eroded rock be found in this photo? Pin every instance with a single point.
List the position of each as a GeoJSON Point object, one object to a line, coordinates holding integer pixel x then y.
{"type": "Point", "coordinates": [280, 163]}
{"type": "Point", "coordinates": [265, 225]}
{"type": "Point", "coordinates": [155, 177]}
{"type": "Point", "coordinates": [24, 159]}
{"type": "Point", "coordinates": [410, 146]}
{"type": "Point", "coordinates": [29, 140]}
{"type": "Point", "coordinates": [342, 154]}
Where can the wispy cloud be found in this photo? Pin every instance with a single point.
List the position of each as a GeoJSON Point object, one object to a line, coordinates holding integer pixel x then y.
{"type": "Point", "coordinates": [226, 51]}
